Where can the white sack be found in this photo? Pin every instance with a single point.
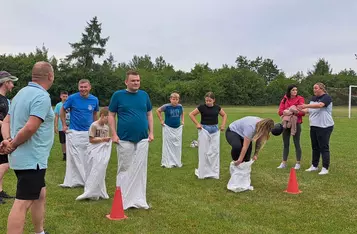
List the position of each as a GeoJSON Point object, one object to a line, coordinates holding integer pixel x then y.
{"type": "Point", "coordinates": [132, 173]}
{"type": "Point", "coordinates": [240, 177]}
{"type": "Point", "coordinates": [208, 154]}
{"type": "Point", "coordinates": [76, 149]}
{"type": "Point", "coordinates": [171, 146]}
{"type": "Point", "coordinates": [98, 159]}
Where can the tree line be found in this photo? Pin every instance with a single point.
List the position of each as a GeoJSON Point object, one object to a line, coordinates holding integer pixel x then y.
{"type": "Point", "coordinates": [248, 82]}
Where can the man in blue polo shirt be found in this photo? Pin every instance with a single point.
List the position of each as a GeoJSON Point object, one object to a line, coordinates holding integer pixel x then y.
{"type": "Point", "coordinates": [28, 134]}
{"type": "Point", "coordinates": [83, 111]}
{"type": "Point", "coordinates": [133, 134]}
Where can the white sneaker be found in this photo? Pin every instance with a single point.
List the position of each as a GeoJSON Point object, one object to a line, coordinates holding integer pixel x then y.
{"type": "Point", "coordinates": [282, 165]}
{"type": "Point", "coordinates": [297, 166]}
{"type": "Point", "coordinates": [323, 171]}
{"type": "Point", "coordinates": [312, 168]}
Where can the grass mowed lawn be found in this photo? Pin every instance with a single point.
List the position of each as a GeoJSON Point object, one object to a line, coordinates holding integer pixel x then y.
{"type": "Point", "coordinates": [181, 203]}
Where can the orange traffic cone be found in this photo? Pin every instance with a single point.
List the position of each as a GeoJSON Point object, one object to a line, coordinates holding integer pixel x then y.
{"type": "Point", "coordinates": [293, 186]}
{"type": "Point", "coordinates": [117, 212]}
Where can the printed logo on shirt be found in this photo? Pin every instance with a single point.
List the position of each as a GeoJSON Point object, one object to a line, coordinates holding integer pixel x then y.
{"type": "Point", "coordinates": [90, 107]}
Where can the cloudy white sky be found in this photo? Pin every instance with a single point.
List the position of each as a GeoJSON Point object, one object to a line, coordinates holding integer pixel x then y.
{"type": "Point", "coordinates": [294, 33]}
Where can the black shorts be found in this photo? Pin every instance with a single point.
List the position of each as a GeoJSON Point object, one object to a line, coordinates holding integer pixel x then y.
{"type": "Point", "coordinates": [30, 183]}
{"type": "Point", "coordinates": [4, 159]}
{"type": "Point", "coordinates": [62, 137]}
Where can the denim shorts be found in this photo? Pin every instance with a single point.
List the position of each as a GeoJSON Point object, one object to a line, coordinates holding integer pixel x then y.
{"type": "Point", "coordinates": [210, 128]}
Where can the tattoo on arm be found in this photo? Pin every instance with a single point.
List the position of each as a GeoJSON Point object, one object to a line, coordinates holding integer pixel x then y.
{"type": "Point", "coordinates": [258, 145]}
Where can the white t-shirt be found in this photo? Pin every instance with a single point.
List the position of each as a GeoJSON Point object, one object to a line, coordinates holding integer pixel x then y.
{"type": "Point", "coordinates": [245, 127]}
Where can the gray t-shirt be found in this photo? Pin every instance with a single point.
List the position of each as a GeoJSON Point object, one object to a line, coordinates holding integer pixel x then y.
{"type": "Point", "coordinates": [245, 127]}
{"type": "Point", "coordinates": [321, 117]}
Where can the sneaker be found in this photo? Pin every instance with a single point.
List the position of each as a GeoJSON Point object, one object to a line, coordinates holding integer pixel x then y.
{"type": "Point", "coordinates": [3, 194]}
{"type": "Point", "coordinates": [323, 171]}
{"type": "Point", "coordinates": [297, 166]}
{"type": "Point", "coordinates": [282, 165]}
{"type": "Point", "coordinates": [312, 168]}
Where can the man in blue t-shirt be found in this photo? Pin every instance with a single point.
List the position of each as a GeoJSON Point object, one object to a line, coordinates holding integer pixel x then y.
{"type": "Point", "coordinates": [134, 130]}
{"type": "Point", "coordinates": [83, 108]}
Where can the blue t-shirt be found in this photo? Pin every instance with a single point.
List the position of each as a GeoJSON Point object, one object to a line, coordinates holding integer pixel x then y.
{"type": "Point", "coordinates": [81, 111]}
{"type": "Point", "coordinates": [132, 109]}
{"type": "Point", "coordinates": [172, 115]}
{"type": "Point", "coordinates": [57, 111]}
{"type": "Point", "coordinates": [32, 100]}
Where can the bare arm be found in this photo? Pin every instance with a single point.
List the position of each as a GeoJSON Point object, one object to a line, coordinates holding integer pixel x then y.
{"type": "Point", "coordinates": [27, 131]}
{"type": "Point", "coordinates": [95, 116]}
{"type": "Point", "coordinates": [258, 146]}
{"type": "Point", "coordinates": [151, 125]}
{"type": "Point", "coordinates": [192, 116]}
{"type": "Point", "coordinates": [158, 112]}
{"type": "Point", "coordinates": [111, 123]}
{"type": "Point", "coordinates": [314, 105]}
{"type": "Point", "coordinates": [5, 127]}
{"type": "Point", "coordinates": [183, 118]}
{"type": "Point", "coordinates": [56, 123]}
{"type": "Point", "coordinates": [63, 118]}
{"type": "Point", "coordinates": [95, 140]}
{"type": "Point", "coordinates": [224, 116]}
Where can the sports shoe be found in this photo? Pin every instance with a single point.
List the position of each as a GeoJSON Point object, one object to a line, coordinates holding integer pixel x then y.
{"type": "Point", "coordinates": [312, 168]}
{"type": "Point", "coordinates": [297, 166]}
{"type": "Point", "coordinates": [282, 165]}
{"type": "Point", "coordinates": [3, 194]}
{"type": "Point", "coordinates": [323, 171]}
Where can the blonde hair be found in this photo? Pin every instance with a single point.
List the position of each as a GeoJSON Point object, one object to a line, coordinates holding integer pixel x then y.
{"type": "Point", "coordinates": [174, 95]}
{"type": "Point", "coordinates": [262, 130]}
{"type": "Point", "coordinates": [321, 86]}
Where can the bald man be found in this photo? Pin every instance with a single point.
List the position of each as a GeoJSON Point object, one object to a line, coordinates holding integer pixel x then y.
{"type": "Point", "coordinates": [29, 141]}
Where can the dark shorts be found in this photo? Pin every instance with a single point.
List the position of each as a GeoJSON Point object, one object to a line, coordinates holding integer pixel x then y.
{"type": "Point", "coordinates": [30, 183]}
{"type": "Point", "coordinates": [62, 137]}
{"type": "Point", "coordinates": [4, 159]}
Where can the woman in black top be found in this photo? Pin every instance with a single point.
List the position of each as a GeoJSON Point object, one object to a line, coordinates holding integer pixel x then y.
{"type": "Point", "coordinates": [209, 115]}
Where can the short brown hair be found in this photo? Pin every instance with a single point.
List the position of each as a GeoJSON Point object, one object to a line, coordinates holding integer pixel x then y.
{"type": "Point", "coordinates": [104, 111]}
{"type": "Point", "coordinates": [81, 81]}
{"type": "Point", "coordinates": [131, 72]}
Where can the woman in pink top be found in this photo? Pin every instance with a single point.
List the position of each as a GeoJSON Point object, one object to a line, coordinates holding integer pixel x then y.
{"type": "Point", "coordinates": [291, 99]}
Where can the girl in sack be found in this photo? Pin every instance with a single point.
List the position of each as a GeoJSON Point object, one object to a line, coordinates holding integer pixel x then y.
{"type": "Point", "coordinates": [291, 120]}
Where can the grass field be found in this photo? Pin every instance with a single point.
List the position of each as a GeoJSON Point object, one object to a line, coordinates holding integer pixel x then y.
{"type": "Point", "coordinates": [183, 204]}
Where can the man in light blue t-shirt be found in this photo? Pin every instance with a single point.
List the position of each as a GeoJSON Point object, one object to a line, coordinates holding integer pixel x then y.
{"type": "Point", "coordinates": [58, 122]}
{"type": "Point", "coordinates": [83, 108]}
{"type": "Point", "coordinates": [28, 134]}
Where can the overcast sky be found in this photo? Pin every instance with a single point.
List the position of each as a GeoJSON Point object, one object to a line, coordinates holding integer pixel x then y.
{"type": "Point", "coordinates": [294, 33]}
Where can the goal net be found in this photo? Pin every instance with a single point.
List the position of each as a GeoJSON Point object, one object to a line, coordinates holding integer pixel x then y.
{"type": "Point", "coordinates": [345, 97]}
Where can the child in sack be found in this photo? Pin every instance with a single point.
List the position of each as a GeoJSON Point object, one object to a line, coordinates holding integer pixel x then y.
{"type": "Point", "coordinates": [98, 155]}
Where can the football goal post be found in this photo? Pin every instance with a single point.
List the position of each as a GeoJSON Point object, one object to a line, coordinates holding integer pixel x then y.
{"type": "Point", "coordinates": [350, 99]}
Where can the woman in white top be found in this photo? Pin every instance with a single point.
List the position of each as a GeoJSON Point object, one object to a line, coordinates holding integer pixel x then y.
{"type": "Point", "coordinates": [241, 133]}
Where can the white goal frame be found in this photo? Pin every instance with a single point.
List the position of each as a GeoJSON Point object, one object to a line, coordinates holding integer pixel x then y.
{"type": "Point", "coordinates": [350, 99]}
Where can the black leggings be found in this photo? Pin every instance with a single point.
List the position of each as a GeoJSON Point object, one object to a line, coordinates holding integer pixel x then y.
{"type": "Point", "coordinates": [296, 138]}
{"type": "Point", "coordinates": [320, 142]}
{"type": "Point", "coordinates": [236, 141]}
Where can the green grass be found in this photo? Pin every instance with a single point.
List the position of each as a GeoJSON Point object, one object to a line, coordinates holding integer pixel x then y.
{"type": "Point", "coordinates": [183, 204]}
